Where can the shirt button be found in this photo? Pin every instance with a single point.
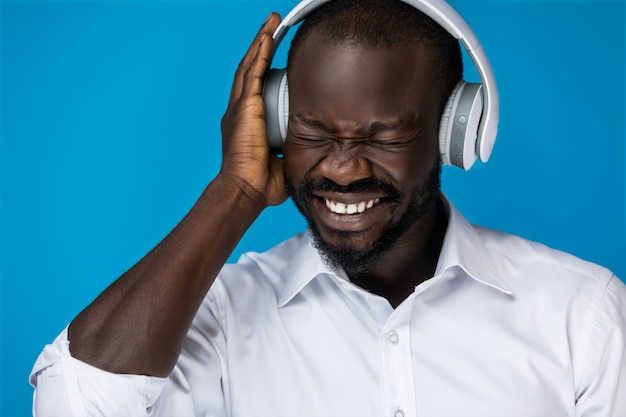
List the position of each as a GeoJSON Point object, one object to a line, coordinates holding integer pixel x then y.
{"type": "Point", "coordinates": [398, 413]}
{"type": "Point", "coordinates": [393, 339]}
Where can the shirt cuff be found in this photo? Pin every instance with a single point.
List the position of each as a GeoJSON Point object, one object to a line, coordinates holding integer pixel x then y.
{"type": "Point", "coordinates": [89, 391]}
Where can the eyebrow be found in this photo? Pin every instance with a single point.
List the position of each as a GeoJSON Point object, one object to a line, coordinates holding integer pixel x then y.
{"type": "Point", "coordinates": [374, 127]}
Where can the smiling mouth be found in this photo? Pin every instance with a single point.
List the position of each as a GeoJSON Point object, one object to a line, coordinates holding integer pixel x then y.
{"type": "Point", "coordinates": [350, 208]}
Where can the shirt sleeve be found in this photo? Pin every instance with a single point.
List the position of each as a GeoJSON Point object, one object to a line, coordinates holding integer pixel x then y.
{"type": "Point", "coordinates": [603, 379]}
{"type": "Point", "coordinates": [65, 386]}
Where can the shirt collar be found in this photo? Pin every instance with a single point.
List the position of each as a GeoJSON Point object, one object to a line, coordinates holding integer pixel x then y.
{"type": "Point", "coordinates": [305, 265]}
{"type": "Point", "coordinates": [462, 247]}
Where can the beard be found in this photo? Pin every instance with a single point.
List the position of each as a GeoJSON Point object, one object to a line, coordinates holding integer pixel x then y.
{"type": "Point", "coordinates": [357, 261]}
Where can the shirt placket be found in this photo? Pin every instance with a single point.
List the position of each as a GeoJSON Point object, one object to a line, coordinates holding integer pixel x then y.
{"type": "Point", "coordinates": [396, 365]}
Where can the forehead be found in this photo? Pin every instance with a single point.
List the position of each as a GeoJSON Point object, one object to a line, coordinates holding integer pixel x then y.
{"type": "Point", "coordinates": [315, 49]}
{"type": "Point", "coordinates": [343, 76]}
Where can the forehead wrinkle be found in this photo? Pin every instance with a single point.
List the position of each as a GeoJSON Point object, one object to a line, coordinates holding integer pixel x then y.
{"type": "Point", "coordinates": [303, 119]}
{"type": "Point", "coordinates": [373, 128]}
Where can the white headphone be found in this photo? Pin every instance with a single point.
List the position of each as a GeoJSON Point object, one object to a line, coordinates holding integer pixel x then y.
{"type": "Point", "coordinates": [469, 123]}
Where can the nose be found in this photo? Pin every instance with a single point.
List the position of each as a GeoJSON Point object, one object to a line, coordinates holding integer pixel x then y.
{"type": "Point", "coordinates": [344, 164]}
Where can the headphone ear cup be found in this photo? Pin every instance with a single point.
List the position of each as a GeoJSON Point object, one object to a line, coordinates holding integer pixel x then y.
{"type": "Point", "coordinates": [444, 125]}
{"type": "Point", "coordinates": [458, 128]}
{"type": "Point", "coordinates": [276, 100]}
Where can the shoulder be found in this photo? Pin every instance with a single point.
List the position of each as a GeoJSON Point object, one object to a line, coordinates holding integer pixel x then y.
{"type": "Point", "coordinates": [259, 274]}
{"type": "Point", "coordinates": [552, 279]}
{"type": "Point", "coordinates": [518, 257]}
{"type": "Point", "coordinates": [557, 286]}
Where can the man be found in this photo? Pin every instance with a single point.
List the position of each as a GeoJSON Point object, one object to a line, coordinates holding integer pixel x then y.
{"type": "Point", "coordinates": [391, 305]}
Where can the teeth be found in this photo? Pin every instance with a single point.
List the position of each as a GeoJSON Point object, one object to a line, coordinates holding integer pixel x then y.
{"type": "Point", "coordinates": [343, 208]}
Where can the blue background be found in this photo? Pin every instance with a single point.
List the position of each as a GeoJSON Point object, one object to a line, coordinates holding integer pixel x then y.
{"type": "Point", "coordinates": [110, 131]}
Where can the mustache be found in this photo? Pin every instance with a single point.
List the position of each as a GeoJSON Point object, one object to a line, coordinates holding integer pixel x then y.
{"type": "Point", "coordinates": [373, 185]}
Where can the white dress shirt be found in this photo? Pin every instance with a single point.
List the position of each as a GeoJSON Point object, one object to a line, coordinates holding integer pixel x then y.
{"type": "Point", "coordinates": [506, 327]}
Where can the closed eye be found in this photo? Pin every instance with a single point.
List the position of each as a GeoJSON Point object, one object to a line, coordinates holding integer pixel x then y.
{"type": "Point", "coordinates": [311, 141]}
{"type": "Point", "coordinates": [385, 144]}
{"type": "Point", "coordinates": [393, 145]}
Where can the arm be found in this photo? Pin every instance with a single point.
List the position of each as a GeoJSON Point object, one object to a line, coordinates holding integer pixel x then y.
{"type": "Point", "coordinates": [601, 387]}
{"type": "Point", "coordinates": [137, 325]}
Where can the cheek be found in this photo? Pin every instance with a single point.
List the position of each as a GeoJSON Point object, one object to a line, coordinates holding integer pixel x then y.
{"type": "Point", "coordinates": [409, 168]}
{"type": "Point", "coordinates": [292, 161]}
{"type": "Point", "coordinates": [299, 161]}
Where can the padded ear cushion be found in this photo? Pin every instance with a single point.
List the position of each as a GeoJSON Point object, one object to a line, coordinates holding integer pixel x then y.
{"type": "Point", "coordinates": [445, 129]}
{"type": "Point", "coordinates": [458, 128]}
{"type": "Point", "coordinates": [276, 100]}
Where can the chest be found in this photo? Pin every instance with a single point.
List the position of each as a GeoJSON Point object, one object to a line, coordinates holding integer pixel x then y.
{"type": "Point", "coordinates": [344, 355]}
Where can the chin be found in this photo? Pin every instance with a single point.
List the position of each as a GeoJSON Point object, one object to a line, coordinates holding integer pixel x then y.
{"type": "Point", "coordinates": [357, 242]}
{"type": "Point", "coordinates": [357, 252]}
{"type": "Point", "coordinates": [348, 253]}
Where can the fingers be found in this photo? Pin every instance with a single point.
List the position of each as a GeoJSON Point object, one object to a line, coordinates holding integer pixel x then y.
{"type": "Point", "coordinates": [244, 138]}
{"type": "Point", "coordinates": [254, 63]}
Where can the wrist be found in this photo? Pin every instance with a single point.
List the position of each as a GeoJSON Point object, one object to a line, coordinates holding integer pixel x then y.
{"type": "Point", "coordinates": [229, 188]}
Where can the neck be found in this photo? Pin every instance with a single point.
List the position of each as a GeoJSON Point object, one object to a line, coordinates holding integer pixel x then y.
{"type": "Point", "coordinates": [411, 261]}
